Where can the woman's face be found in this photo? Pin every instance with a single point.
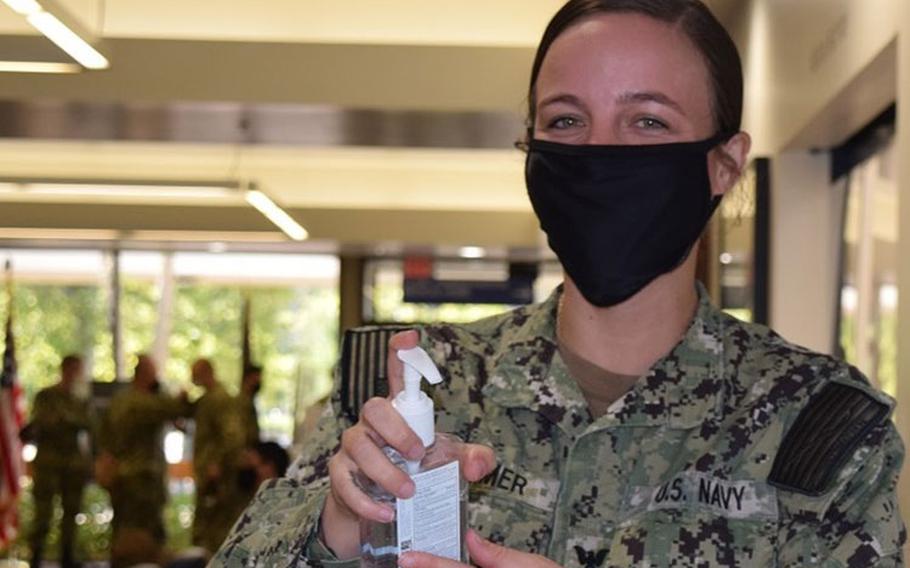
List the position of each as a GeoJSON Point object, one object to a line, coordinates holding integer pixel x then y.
{"type": "Point", "coordinates": [622, 78]}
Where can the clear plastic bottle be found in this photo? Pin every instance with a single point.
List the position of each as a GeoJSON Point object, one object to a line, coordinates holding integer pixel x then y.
{"type": "Point", "coordinates": [434, 520]}
{"type": "Point", "coordinates": [379, 541]}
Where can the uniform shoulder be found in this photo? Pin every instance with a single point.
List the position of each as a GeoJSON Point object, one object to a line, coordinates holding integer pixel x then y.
{"type": "Point", "coordinates": [489, 335]}
{"type": "Point", "coordinates": [757, 356]}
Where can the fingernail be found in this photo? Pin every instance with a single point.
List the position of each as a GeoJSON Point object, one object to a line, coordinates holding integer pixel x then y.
{"type": "Point", "coordinates": [406, 561]}
{"type": "Point", "coordinates": [388, 515]}
{"type": "Point", "coordinates": [415, 452]}
{"type": "Point", "coordinates": [407, 489]}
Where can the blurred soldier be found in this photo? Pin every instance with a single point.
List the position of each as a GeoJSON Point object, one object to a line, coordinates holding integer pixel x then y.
{"type": "Point", "coordinates": [265, 460]}
{"type": "Point", "coordinates": [61, 426]}
{"type": "Point", "coordinates": [217, 449]}
{"type": "Point", "coordinates": [132, 438]}
{"type": "Point", "coordinates": [249, 388]}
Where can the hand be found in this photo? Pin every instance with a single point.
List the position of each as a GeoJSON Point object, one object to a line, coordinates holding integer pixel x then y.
{"type": "Point", "coordinates": [483, 553]}
{"type": "Point", "coordinates": [361, 452]}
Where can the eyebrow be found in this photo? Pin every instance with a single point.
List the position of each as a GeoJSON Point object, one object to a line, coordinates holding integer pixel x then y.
{"type": "Point", "coordinates": [563, 98]}
{"type": "Point", "coordinates": [650, 97]}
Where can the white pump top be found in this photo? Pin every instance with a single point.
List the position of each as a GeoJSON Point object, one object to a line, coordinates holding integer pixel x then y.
{"type": "Point", "coordinates": [413, 405]}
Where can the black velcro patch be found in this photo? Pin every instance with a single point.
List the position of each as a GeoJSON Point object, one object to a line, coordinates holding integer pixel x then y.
{"type": "Point", "coordinates": [824, 436]}
{"type": "Point", "coordinates": [363, 365]}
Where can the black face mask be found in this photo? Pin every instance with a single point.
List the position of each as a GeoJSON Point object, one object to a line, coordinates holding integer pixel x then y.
{"type": "Point", "coordinates": [620, 216]}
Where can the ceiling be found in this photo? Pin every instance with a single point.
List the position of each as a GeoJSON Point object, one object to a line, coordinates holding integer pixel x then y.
{"type": "Point", "coordinates": [391, 67]}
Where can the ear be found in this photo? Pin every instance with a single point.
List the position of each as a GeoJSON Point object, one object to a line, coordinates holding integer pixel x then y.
{"type": "Point", "coordinates": [726, 163]}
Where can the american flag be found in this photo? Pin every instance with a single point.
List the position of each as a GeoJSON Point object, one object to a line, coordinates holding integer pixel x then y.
{"type": "Point", "coordinates": [11, 419]}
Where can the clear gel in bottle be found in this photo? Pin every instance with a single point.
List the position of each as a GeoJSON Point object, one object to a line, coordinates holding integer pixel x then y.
{"type": "Point", "coordinates": [434, 520]}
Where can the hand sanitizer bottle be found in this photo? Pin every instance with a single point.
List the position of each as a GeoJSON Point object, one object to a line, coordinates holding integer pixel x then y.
{"type": "Point", "coordinates": [434, 519]}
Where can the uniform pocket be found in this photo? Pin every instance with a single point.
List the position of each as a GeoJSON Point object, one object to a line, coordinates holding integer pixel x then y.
{"type": "Point", "coordinates": [510, 521]}
{"type": "Point", "coordinates": [687, 539]}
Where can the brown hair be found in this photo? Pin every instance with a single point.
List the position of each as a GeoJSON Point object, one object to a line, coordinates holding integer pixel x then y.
{"type": "Point", "coordinates": [698, 24]}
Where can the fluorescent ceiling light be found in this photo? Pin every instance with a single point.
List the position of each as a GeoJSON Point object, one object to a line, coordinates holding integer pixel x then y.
{"type": "Point", "coordinates": [139, 191]}
{"type": "Point", "coordinates": [472, 252]}
{"type": "Point", "coordinates": [23, 7]}
{"type": "Point", "coordinates": [276, 214]}
{"type": "Point", "coordinates": [38, 67]}
{"type": "Point", "coordinates": [68, 40]}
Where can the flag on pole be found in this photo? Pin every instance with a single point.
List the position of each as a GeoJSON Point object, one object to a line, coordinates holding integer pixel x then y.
{"type": "Point", "coordinates": [12, 417]}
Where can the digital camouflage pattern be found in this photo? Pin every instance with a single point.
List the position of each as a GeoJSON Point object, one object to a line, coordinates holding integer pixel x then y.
{"type": "Point", "coordinates": [674, 474]}
{"type": "Point", "coordinates": [246, 407]}
{"type": "Point", "coordinates": [132, 432]}
{"type": "Point", "coordinates": [62, 425]}
{"type": "Point", "coordinates": [219, 441]}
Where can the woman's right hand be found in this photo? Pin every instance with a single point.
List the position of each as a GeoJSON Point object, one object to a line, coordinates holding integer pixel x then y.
{"type": "Point", "coordinates": [361, 451]}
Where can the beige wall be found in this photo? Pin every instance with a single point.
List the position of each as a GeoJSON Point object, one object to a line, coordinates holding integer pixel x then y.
{"type": "Point", "coordinates": [798, 56]}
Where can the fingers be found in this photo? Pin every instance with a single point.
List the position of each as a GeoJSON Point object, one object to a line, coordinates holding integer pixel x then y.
{"type": "Point", "coordinates": [361, 452]}
{"type": "Point", "coordinates": [489, 555]}
{"type": "Point", "coordinates": [476, 461]}
{"type": "Point", "coordinates": [372, 461]}
{"type": "Point", "coordinates": [384, 420]}
{"type": "Point", "coordinates": [424, 560]}
{"type": "Point", "coordinates": [394, 366]}
{"type": "Point", "coordinates": [352, 502]}
{"type": "Point", "coordinates": [483, 553]}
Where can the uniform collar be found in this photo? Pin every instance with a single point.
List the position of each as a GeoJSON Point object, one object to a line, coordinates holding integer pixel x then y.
{"type": "Point", "coordinates": [682, 390]}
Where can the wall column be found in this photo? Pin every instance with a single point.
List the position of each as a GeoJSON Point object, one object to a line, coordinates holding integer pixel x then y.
{"type": "Point", "coordinates": [350, 292]}
{"type": "Point", "coordinates": [805, 217]}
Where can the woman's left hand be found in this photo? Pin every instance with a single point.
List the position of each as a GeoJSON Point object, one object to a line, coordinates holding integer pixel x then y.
{"type": "Point", "coordinates": [483, 553]}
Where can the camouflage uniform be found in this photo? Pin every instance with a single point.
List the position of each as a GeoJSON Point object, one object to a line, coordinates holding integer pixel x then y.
{"type": "Point", "coordinates": [249, 419]}
{"type": "Point", "coordinates": [674, 474]}
{"type": "Point", "coordinates": [133, 434]}
{"type": "Point", "coordinates": [218, 441]}
{"type": "Point", "coordinates": [62, 426]}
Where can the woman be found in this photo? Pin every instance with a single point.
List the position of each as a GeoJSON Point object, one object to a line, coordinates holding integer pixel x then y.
{"type": "Point", "coordinates": [624, 421]}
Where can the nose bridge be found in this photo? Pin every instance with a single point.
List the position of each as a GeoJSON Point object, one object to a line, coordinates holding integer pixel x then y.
{"type": "Point", "coordinates": [604, 128]}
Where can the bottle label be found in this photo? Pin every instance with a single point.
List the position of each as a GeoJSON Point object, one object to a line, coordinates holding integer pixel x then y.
{"type": "Point", "coordinates": [430, 520]}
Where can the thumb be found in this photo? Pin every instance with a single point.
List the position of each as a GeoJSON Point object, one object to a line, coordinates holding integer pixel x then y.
{"type": "Point", "coordinates": [489, 555]}
{"type": "Point", "coordinates": [484, 553]}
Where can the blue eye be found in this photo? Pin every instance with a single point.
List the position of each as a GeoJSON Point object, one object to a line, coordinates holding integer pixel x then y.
{"type": "Point", "coordinates": [650, 123]}
{"type": "Point", "coordinates": [564, 123]}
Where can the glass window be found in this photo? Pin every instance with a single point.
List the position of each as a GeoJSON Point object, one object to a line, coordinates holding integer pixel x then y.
{"type": "Point", "coordinates": [60, 307]}
{"type": "Point", "coordinates": [868, 298]}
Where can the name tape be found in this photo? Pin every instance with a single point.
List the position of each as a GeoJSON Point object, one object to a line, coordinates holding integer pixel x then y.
{"type": "Point", "coordinates": [690, 490]}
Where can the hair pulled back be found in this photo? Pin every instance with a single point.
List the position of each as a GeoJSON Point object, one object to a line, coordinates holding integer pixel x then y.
{"type": "Point", "coordinates": [698, 24]}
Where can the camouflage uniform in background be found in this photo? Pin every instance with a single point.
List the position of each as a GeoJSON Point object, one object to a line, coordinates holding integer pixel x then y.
{"type": "Point", "coordinates": [132, 433]}
{"type": "Point", "coordinates": [246, 405]}
{"type": "Point", "coordinates": [218, 441]}
{"type": "Point", "coordinates": [674, 474]}
{"type": "Point", "coordinates": [62, 426]}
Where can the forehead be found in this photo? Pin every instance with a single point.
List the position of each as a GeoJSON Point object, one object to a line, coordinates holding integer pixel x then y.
{"type": "Point", "coordinates": [625, 51]}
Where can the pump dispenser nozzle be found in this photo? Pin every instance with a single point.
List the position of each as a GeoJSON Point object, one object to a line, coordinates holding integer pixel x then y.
{"type": "Point", "coordinates": [415, 406]}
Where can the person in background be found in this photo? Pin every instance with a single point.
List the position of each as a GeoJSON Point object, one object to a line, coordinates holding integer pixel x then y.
{"type": "Point", "coordinates": [132, 442]}
{"type": "Point", "coordinates": [61, 426]}
{"type": "Point", "coordinates": [265, 460]}
{"type": "Point", "coordinates": [217, 448]}
{"type": "Point", "coordinates": [249, 388]}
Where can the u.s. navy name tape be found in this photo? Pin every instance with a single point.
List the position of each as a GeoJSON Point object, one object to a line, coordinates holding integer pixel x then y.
{"type": "Point", "coordinates": [744, 499]}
